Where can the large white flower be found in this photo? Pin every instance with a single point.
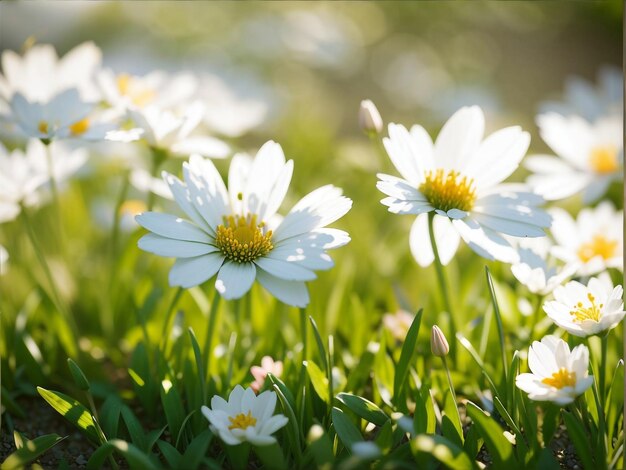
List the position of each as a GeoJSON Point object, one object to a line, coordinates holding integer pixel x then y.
{"type": "Point", "coordinates": [591, 102]}
{"type": "Point", "coordinates": [25, 174]}
{"type": "Point", "coordinates": [245, 417]}
{"type": "Point", "coordinates": [594, 240]}
{"type": "Point", "coordinates": [236, 232]}
{"type": "Point", "coordinates": [459, 178]}
{"type": "Point", "coordinates": [587, 310]}
{"type": "Point", "coordinates": [171, 132]}
{"type": "Point", "coordinates": [558, 375]}
{"type": "Point", "coordinates": [39, 74]}
{"type": "Point", "coordinates": [589, 157]}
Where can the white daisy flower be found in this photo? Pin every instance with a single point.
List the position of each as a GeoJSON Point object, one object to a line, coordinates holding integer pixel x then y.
{"type": "Point", "coordinates": [40, 74]}
{"type": "Point", "coordinates": [594, 240]}
{"type": "Point", "coordinates": [398, 323]}
{"type": "Point", "coordinates": [65, 116]}
{"type": "Point", "coordinates": [25, 174]}
{"type": "Point", "coordinates": [591, 102]}
{"type": "Point", "coordinates": [245, 417]}
{"type": "Point", "coordinates": [587, 310]}
{"type": "Point", "coordinates": [558, 375]}
{"type": "Point", "coordinates": [156, 89]}
{"type": "Point", "coordinates": [167, 131]}
{"type": "Point", "coordinates": [227, 111]}
{"type": "Point", "coordinates": [236, 232]}
{"type": "Point", "coordinates": [589, 157]}
{"type": "Point", "coordinates": [458, 178]}
{"type": "Point", "coordinates": [537, 270]}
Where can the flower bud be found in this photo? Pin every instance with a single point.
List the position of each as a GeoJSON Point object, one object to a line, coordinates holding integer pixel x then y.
{"type": "Point", "coordinates": [369, 118]}
{"type": "Point", "coordinates": [438, 342]}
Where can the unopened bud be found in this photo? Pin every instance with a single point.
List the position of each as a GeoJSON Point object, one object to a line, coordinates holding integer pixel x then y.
{"type": "Point", "coordinates": [438, 342]}
{"type": "Point", "coordinates": [369, 117]}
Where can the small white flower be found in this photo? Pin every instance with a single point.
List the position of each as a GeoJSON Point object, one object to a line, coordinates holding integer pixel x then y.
{"type": "Point", "coordinates": [558, 375]}
{"type": "Point", "coordinates": [458, 177]}
{"type": "Point", "coordinates": [268, 366]}
{"type": "Point", "coordinates": [156, 89]}
{"type": "Point", "coordinates": [587, 310]}
{"type": "Point", "coordinates": [227, 111]}
{"type": "Point", "coordinates": [65, 116]}
{"type": "Point", "coordinates": [398, 323]}
{"type": "Point", "coordinates": [538, 273]}
{"type": "Point", "coordinates": [236, 232]}
{"type": "Point", "coordinates": [4, 260]}
{"type": "Point", "coordinates": [594, 240]}
{"type": "Point", "coordinates": [589, 157]}
{"type": "Point", "coordinates": [591, 102]}
{"type": "Point", "coordinates": [170, 132]}
{"type": "Point", "coordinates": [39, 74]}
{"type": "Point", "coordinates": [143, 181]}
{"type": "Point", "coordinates": [245, 417]}
{"type": "Point", "coordinates": [25, 174]}
{"type": "Point", "coordinates": [369, 117]}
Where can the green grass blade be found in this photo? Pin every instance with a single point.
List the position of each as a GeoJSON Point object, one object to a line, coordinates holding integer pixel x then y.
{"type": "Point", "coordinates": [364, 408]}
{"type": "Point", "coordinates": [500, 448]}
{"type": "Point", "coordinates": [346, 430]}
{"type": "Point", "coordinates": [30, 451]}
{"type": "Point", "coordinates": [406, 356]}
{"type": "Point", "coordinates": [72, 410]}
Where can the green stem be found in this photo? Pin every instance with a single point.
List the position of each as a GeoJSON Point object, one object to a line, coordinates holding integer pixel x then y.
{"type": "Point", "coordinates": [303, 332]}
{"type": "Point", "coordinates": [53, 186]}
{"type": "Point", "coordinates": [206, 353]}
{"type": "Point", "coordinates": [453, 393]}
{"type": "Point", "coordinates": [535, 316]}
{"type": "Point", "coordinates": [168, 318]}
{"type": "Point", "coordinates": [158, 157]}
{"type": "Point", "coordinates": [496, 310]}
{"type": "Point", "coordinates": [443, 285]}
{"type": "Point", "coordinates": [604, 341]}
{"type": "Point", "coordinates": [55, 296]}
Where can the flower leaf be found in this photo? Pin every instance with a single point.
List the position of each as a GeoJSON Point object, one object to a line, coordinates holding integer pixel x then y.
{"type": "Point", "coordinates": [72, 410]}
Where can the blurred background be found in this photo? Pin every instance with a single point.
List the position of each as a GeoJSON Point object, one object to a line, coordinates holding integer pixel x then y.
{"type": "Point", "coordinates": [305, 66]}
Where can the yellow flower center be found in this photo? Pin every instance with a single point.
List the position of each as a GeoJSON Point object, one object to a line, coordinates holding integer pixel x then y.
{"type": "Point", "coordinates": [43, 127]}
{"type": "Point", "coordinates": [598, 246]}
{"type": "Point", "coordinates": [448, 189]}
{"type": "Point", "coordinates": [132, 207]}
{"type": "Point", "coordinates": [242, 421]}
{"type": "Point", "coordinates": [604, 159]}
{"type": "Point", "coordinates": [132, 88]}
{"type": "Point", "coordinates": [590, 312]}
{"type": "Point", "coordinates": [560, 379]}
{"type": "Point", "coordinates": [240, 239]}
{"type": "Point", "coordinates": [80, 127]}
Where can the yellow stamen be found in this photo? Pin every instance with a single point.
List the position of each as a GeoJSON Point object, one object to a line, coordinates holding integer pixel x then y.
{"type": "Point", "coordinates": [581, 312]}
{"type": "Point", "coordinates": [562, 378]}
{"type": "Point", "coordinates": [598, 246]}
{"type": "Point", "coordinates": [242, 240]}
{"type": "Point", "coordinates": [242, 421]}
{"type": "Point", "coordinates": [132, 207]}
{"type": "Point", "coordinates": [43, 127]}
{"type": "Point", "coordinates": [448, 189]}
{"type": "Point", "coordinates": [133, 89]}
{"type": "Point", "coordinates": [604, 159]}
{"type": "Point", "coordinates": [80, 127]}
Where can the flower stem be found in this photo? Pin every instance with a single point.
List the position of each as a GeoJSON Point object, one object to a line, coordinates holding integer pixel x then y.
{"type": "Point", "coordinates": [55, 296]}
{"type": "Point", "coordinates": [453, 394]}
{"type": "Point", "coordinates": [535, 317]}
{"type": "Point", "coordinates": [168, 318]}
{"type": "Point", "coordinates": [158, 157]}
{"type": "Point", "coordinates": [604, 341]}
{"type": "Point", "coordinates": [443, 285]}
{"type": "Point", "coordinates": [303, 332]}
{"type": "Point", "coordinates": [206, 353]}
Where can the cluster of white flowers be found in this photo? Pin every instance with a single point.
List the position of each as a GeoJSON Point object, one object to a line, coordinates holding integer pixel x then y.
{"type": "Point", "coordinates": [454, 187]}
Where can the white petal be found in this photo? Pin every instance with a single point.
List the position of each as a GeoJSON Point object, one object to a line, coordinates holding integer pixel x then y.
{"type": "Point", "coordinates": [459, 138]}
{"type": "Point", "coordinates": [201, 145]}
{"type": "Point", "coordinates": [285, 270]}
{"type": "Point", "coordinates": [169, 247]}
{"type": "Point", "coordinates": [485, 242]}
{"type": "Point", "coordinates": [235, 279]}
{"type": "Point", "coordinates": [290, 292]}
{"type": "Point", "coordinates": [170, 226]}
{"type": "Point", "coordinates": [189, 272]}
